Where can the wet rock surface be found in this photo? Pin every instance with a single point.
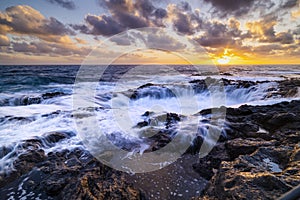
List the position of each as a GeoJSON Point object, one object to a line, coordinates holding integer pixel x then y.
{"type": "Point", "coordinates": [67, 174]}
{"type": "Point", "coordinates": [258, 159]}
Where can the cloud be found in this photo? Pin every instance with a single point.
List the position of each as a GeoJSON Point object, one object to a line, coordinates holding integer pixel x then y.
{"type": "Point", "coordinates": [217, 34]}
{"type": "Point", "coordinates": [163, 41]}
{"type": "Point", "coordinates": [123, 40]}
{"type": "Point", "coordinates": [4, 40]}
{"type": "Point", "coordinates": [124, 14]}
{"type": "Point", "coordinates": [283, 38]}
{"type": "Point", "coordinates": [145, 8]}
{"type": "Point", "coordinates": [242, 8]}
{"type": "Point", "coordinates": [99, 25]}
{"type": "Point", "coordinates": [131, 21]}
{"type": "Point", "coordinates": [264, 31]}
{"type": "Point", "coordinates": [24, 19]}
{"type": "Point", "coordinates": [160, 13]}
{"type": "Point", "coordinates": [290, 3]}
{"type": "Point", "coordinates": [276, 49]}
{"type": "Point", "coordinates": [296, 14]}
{"type": "Point", "coordinates": [46, 48]}
{"type": "Point", "coordinates": [232, 7]}
{"type": "Point", "coordinates": [263, 28]}
{"type": "Point", "coordinates": [184, 20]}
{"type": "Point", "coordinates": [297, 30]}
{"type": "Point", "coordinates": [130, 14]}
{"type": "Point", "coordinates": [64, 3]}
{"type": "Point", "coordinates": [80, 41]}
{"type": "Point", "coordinates": [47, 36]}
{"type": "Point", "coordinates": [267, 49]}
{"type": "Point", "coordinates": [151, 38]}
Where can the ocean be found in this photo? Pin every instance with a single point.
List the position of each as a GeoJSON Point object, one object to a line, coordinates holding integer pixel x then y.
{"type": "Point", "coordinates": [36, 100]}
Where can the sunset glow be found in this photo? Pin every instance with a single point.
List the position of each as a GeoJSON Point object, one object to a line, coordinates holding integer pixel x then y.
{"type": "Point", "coordinates": [65, 32]}
{"type": "Point", "coordinates": [224, 60]}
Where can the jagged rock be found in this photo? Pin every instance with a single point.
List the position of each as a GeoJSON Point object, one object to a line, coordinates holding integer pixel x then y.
{"type": "Point", "coordinates": [240, 146]}
{"type": "Point", "coordinates": [68, 175]}
{"type": "Point", "coordinates": [259, 159]}
{"type": "Point", "coordinates": [207, 165]}
{"type": "Point", "coordinates": [262, 150]}
{"type": "Point", "coordinates": [257, 175]}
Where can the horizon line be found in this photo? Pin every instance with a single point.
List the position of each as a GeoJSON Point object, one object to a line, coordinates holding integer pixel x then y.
{"type": "Point", "coordinates": [219, 65]}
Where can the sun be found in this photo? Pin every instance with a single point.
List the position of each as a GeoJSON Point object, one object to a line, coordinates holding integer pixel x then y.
{"type": "Point", "coordinates": [224, 60]}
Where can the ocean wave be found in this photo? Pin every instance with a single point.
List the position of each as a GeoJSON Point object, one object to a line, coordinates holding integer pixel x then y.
{"type": "Point", "coordinates": [24, 100]}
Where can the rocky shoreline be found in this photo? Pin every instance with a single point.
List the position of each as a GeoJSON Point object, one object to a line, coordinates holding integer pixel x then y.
{"type": "Point", "coordinates": [258, 158]}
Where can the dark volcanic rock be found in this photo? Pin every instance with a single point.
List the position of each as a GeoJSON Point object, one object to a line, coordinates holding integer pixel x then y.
{"type": "Point", "coordinates": [260, 159]}
{"type": "Point", "coordinates": [289, 88]}
{"type": "Point", "coordinates": [202, 85]}
{"type": "Point", "coordinates": [66, 174]}
{"type": "Point", "coordinates": [240, 146]}
{"type": "Point", "coordinates": [255, 176]}
{"type": "Point", "coordinates": [210, 163]}
{"type": "Point", "coordinates": [49, 95]}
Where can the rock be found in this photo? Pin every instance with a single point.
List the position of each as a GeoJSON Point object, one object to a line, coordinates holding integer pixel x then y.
{"type": "Point", "coordinates": [251, 176]}
{"type": "Point", "coordinates": [150, 90]}
{"type": "Point", "coordinates": [259, 159]}
{"type": "Point", "coordinates": [205, 167]}
{"type": "Point", "coordinates": [289, 88]}
{"type": "Point", "coordinates": [54, 137]}
{"type": "Point", "coordinates": [4, 150]}
{"type": "Point", "coordinates": [159, 140]}
{"type": "Point", "coordinates": [142, 124]}
{"type": "Point", "coordinates": [49, 95]}
{"type": "Point", "coordinates": [281, 119]}
{"type": "Point", "coordinates": [240, 146]}
{"type": "Point", "coordinates": [67, 175]}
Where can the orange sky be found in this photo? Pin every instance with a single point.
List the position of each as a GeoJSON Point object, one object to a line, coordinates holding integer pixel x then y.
{"type": "Point", "coordinates": [204, 32]}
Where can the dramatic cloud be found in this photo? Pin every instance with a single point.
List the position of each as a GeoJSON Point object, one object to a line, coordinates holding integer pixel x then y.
{"type": "Point", "coordinates": [122, 40]}
{"type": "Point", "coordinates": [243, 29]}
{"type": "Point", "coordinates": [233, 7]}
{"type": "Point", "coordinates": [290, 3]}
{"type": "Point", "coordinates": [153, 39]}
{"type": "Point", "coordinates": [26, 20]}
{"type": "Point", "coordinates": [80, 41]}
{"type": "Point", "coordinates": [52, 49]}
{"type": "Point", "coordinates": [297, 30]}
{"type": "Point", "coordinates": [99, 25]}
{"type": "Point", "coordinates": [64, 3]}
{"type": "Point", "coordinates": [217, 34]}
{"type": "Point", "coordinates": [49, 36]}
{"type": "Point", "coordinates": [267, 49]}
{"type": "Point", "coordinates": [283, 38]}
{"type": "Point", "coordinates": [296, 14]}
{"type": "Point", "coordinates": [276, 50]}
{"type": "Point", "coordinates": [184, 20]}
{"type": "Point", "coordinates": [4, 41]}
{"type": "Point", "coordinates": [123, 15]}
{"type": "Point", "coordinates": [239, 8]}
{"type": "Point", "coordinates": [158, 41]}
{"type": "Point", "coordinates": [264, 31]}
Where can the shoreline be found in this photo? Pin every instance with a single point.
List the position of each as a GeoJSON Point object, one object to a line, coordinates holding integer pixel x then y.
{"type": "Point", "coordinates": [225, 171]}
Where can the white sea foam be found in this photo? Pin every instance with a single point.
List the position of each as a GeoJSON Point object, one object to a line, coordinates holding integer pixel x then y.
{"type": "Point", "coordinates": [119, 112]}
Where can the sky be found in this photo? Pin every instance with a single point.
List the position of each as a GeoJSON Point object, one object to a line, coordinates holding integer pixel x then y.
{"type": "Point", "coordinates": [149, 32]}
